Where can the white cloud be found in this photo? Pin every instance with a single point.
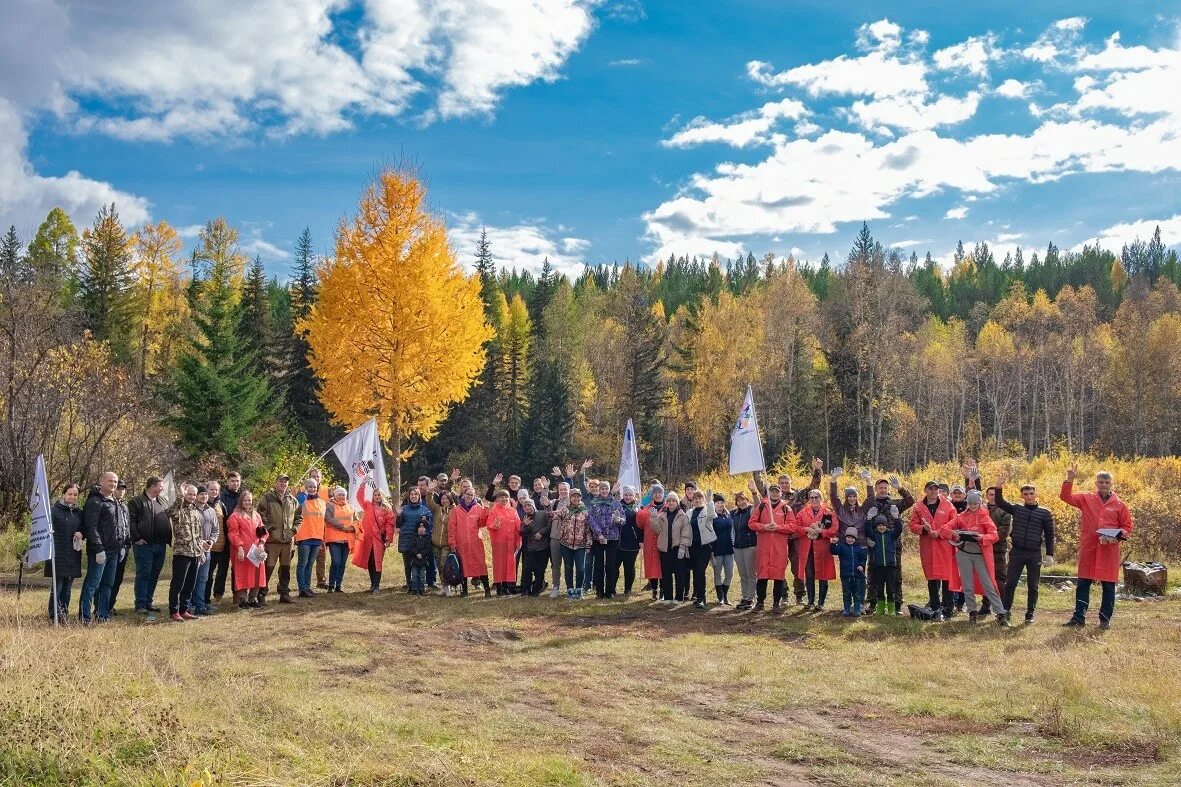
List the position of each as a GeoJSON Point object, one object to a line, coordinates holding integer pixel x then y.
{"type": "Point", "coordinates": [1073, 23]}
{"type": "Point", "coordinates": [882, 34]}
{"type": "Point", "coordinates": [906, 244]}
{"type": "Point", "coordinates": [740, 130]}
{"type": "Point", "coordinates": [523, 246]}
{"type": "Point", "coordinates": [27, 197]}
{"type": "Point", "coordinates": [971, 55]}
{"type": "Point", "coordinates": [877, 74]}
{"type": "Point", "coordinates": [252, 244]}
{"type": "Point", "coordinates": [1059, 39]}
{"type": "Point", "coordinates": [627, 61]}
{"type": "Point", "coordinates": [957, 212]}
{"type": "Point", "coordinates": [913, 112]}
{"type": "Point", "coordinates": [1115, 56]}
{"type": "Point", "coordinates": [1012, 88]}
{"type": "Point", "coordinates": [1116, 237]}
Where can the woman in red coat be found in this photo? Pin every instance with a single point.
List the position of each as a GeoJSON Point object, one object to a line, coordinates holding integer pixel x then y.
{"type": "Point", "coordinates": [244, 529]}
{"type": "Point", "coordinates": [463, 536]}
{"type": "Point", "coordinates": [376, 533]}
{"type": "Point", "coordinates": [504, 531]}
{"type": "Point", "coordinates": [652, 571]}
{"type": "Point", "coordinates": [927, 518]}
{"type": "Point", "coordinates": [773, 520]}
{"type": "Point", "coordinates": [973, 533]}
{"type": "Point", "coordinates": [815, 525]}
{"type": "Point", "coordinates": [1098, 553]}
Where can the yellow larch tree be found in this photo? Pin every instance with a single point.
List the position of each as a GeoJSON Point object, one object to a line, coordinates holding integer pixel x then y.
{"type": "Point", "coordinates": [159, 295]}
{"type": "Point", "coordinates": [397, 331]}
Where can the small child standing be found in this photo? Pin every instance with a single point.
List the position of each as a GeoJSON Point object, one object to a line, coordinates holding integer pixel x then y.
{"type": "Point", "coordinates": [852, 557]}
{"type": "Point", "coordinates": [881, 536]}
{"type": "Point", "coordinates": [421, 551]}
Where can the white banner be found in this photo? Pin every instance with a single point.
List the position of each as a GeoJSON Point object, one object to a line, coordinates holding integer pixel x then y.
{"type": "Point", "coordinates": [169, 493]}
{"type": "Point", "coordinates": [629, 462]}
{"type": "Point", "coordinates": [360, 453]}
{"type": "Point", "coordinates": [746, 446]}
{"type": "Point", "coordinates": [41, 535]}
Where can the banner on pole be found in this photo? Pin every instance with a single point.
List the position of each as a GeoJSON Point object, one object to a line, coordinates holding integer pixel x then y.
{"type": "Point", "coordinates": [746, 445]}
{"type": "Point", "coordinates": [629, 462]}
{"type": "Point", "coordinates": [41, 534]}
{"type": "Point", "coordinates": [360, 453]}
{"type": "Point", "coordinates": [169, 493]}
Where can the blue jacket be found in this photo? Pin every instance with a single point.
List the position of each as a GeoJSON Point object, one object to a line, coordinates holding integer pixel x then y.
{"type": "Point", "coordinates": [605, 518]}
{"type": "Point", "coordinates": [408, 521]}
{"type": "Point", "coordinates": [884, 551]}
{"type": "Point", "coordinates": [744, 537]}
{"type": "Point", "coordinates": [852, 557]}
{"type": "Point", "coordinates": [724, 528]}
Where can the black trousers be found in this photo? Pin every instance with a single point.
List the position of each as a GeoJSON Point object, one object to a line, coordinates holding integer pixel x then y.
{"type": "Point", "coordinates": [180, 589]}
{"type": "Point", "coordinates": [407, 564]}
{"type": "Point", "coordinates": [779, 591]}
{"type": "Point", "coordinates": [939, 595]}
{"type": "Point", "coordinates": [1029, 561]}
{"type": "Point", "coordinates": [219, 569]}
{"type": "Point", "coordinates": [533, 574]}
{"type": "Point", "coordinates": [605, 568]}
{"type": "Point", "coordinates": [880, 581]}
{"type": "Point", "coordinates": [627, 562]}
{"type": "Point", "coordinates": [699, 558]}
{"type": "Point", "coordinates": [118, 579]}
{"type": "Point", "coordinates": [810, 581]}
{"type": "Point", "coordinates": [374, 574]}
{"type": "Point", "coordinates": [674, 577]}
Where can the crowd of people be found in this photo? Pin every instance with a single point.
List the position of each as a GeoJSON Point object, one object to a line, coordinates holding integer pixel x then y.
{"type": "Point", "coordinates": [588, 536]}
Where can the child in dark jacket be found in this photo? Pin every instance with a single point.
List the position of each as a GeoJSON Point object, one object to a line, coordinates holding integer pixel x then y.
{"type": "Point", "coordinates": [852, 557]}
{"type": "Point", "coordinates": [421, 551]}
{"type": "Point", "coordinates": [882, 536]}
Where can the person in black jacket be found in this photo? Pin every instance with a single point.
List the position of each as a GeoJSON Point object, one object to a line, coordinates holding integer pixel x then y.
{"type": "Point", "coordinates": [535, 529]}
{"type": "Point", "coordinates": [100, 527]}
{"type": "Point", "coordinates": [1032, 527]}
{"type": "Point", "coordinates": [745, 541]}
{"type": "Point", "coordinates": [123, 534]}
{"type": "Point", "coordinates": [631, 539]}
{"type": "Point", "coordinates": [151, 533]}
{"type": "Point", "coordinates": [66, 518]}
{"type": "Point", "coordinates": [420, 554]}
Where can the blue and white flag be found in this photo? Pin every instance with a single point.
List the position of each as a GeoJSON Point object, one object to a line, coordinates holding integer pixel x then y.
{"type": "Point", "coordinates": [629, 462]}
{"type": "Point", "coordinates": [41, 535]}
{"type": "Point", "coordinates": [360, 453]}
{"type": "Point", "coordinates": [746, 446]}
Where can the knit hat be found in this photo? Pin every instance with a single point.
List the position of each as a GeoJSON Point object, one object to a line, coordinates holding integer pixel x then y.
{"type": "Point", "coordinates": [656, 488]}
{"type": "Point", "coordinates": [528, 503]}
{"type": "Point", "coordinates": [850, 532]}
{"type": "Point", "coordinates": [880, 519]}
{"type": "Point", "coordinates": [201, 490]}
{"type": "Point", "coordinates": [850, 490]}
{"type": "Point", "coordinates": [576, 491]}
{"type": "Point", "coordinates": [973, 496]}
{"type": "Point", "coordinates": [522, 494]}
{"type": "Point", "coordinates": [628, 488]}
{"type": "Point", "coordinates": [719, 498]}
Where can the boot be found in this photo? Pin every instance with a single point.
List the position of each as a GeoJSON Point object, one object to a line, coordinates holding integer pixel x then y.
{"type": "Point", "coordinates": [777, 609]}
{"type": "Point", "coordinates": [985, 608]}
{"type": "Point", "coordinates": [880, 608]}
{"type": "Point", "coordinates": [1002, 620]}
{"type": "Point", "coordinates": [758, 607]}
{"type": "Point", "coordinates": [726, 595]}
{"type": "Point", "coordinates": [972, 617]}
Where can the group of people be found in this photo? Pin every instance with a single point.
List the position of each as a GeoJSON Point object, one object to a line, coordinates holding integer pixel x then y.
{"type": "Point", "coordinates": [587, 534]}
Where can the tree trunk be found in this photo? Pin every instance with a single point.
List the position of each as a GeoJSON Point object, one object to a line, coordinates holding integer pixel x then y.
{"type": "Point", "coordinates": [395, 446]}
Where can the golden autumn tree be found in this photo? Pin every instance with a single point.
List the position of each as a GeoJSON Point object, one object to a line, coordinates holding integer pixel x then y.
{"type": "Point", "coordinates": [159, 295]}
{"type": "Point", "coordinates": [397, 331]}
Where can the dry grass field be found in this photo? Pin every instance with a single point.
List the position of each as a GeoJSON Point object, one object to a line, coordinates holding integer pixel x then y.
{"type": "Point", "coordinates": [356, 689]}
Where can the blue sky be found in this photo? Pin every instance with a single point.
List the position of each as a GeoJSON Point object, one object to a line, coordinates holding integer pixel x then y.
{"type": "Point", "coordinates": [599, 131]}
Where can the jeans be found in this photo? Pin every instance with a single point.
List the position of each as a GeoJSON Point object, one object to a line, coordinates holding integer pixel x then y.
{"type": "Point", "coordinates": [339, 552]}
{"type": "Point", "coordinates": [64, 587]}
{"type": "Point", "coordinates": [200, 585]}
{"type": "Point", "coordinates": [606, 572]}
{"type": "Point", "coordinates": [723, 570]}
{"type": "Point", "coordinates": [1030, 561]}
{"type": "Point", "coordinates": [1082, 600]}
{"type": "Point", "coordinates": [97, 586]}
{"type": "Point", "coordinates": [778, 590]}
{"type": "Point", "coordinates": [555, 556]}
{"type": "Point", "coordinates": [574, 564]}
{"type": "Point", "coordinates": [417, 579]}
{"type": "Point", "coordinates": [853, 590]}
{"type": "Point", "coordinates": [180, 589]}
{"type": "Point", "coordinates": [149, 560]}
{"type": "Point", "coordinates": [307, 550]}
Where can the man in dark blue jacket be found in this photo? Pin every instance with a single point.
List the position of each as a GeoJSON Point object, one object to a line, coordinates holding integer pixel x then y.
{"type": "Point", "coordinates": [100, 526]}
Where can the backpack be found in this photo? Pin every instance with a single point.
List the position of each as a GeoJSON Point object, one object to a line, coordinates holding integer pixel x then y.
{"type": "Point", "coordinates": [452, 570]}
{"type": "Point", "coordinates": [921, 613]}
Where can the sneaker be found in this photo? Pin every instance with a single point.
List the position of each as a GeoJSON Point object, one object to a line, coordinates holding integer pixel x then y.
{"type": "Point", "coordinates": [846, 613]}
{"type": "Point", "coordinates": [283, 600]}
{"type": "Point", "coordinates": [141, 611]}
{"type": "Point", "coordinates": [777, 608]}
{"type": "Point", "coordinates": [205, 611]}
{"type": "Point", "coordinates": [655, 594]}
{"type": "Point", "coordinates": [1028, 618]}
{"type": "Point", "coordinates": [322, 585]}
{"type": "Point", "coordinates": [856, 613]}
{"type": "Point", "coordinates": [808, 607]}
{"type": "Point", "coordinates": [555, 591]}
{"type": "Point", "coordinates": [153, 609]}
{"type": "Point", "coordinates": [305, 594]}
{"type": "Point", "coordinates": [972, 617]}
{"type": "Point", "coordinates": [699, 604]}
{"type": "Point", "coordinates": [176, 616]}
{"type": "Point", "coordinates": [758, 607]}
{"type": "Point", "coordinates": [1105, 624]}
{"type": "Point", "coordinates": [1002, 620]}
{"type": "Point", "coordinates": [260, 602]}
{"type": "Point", "coordinates": [1074, 623]}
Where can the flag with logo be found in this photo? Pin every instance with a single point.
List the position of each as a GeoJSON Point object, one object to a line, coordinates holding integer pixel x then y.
{"type": "Point", "coordinates": [41, 535]}
{"type": "Point", "coordinates": [359, 452]}
{"type": "Point", "coordinates": [746, 445]}
{"type": "Point", "coordinates": [169, 492]}
{"type": "Point", "coordinates": [629, 462]}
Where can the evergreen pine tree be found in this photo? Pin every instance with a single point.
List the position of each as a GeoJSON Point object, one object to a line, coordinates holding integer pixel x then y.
{"type": "Point", "coordinates": [104, 284]}
{"type": "Point", "coordinates": [256, 326]}
{"type": "Point", "coordinates": [10, 254]}
{"type": "Point", "coordinates": [301, 388]}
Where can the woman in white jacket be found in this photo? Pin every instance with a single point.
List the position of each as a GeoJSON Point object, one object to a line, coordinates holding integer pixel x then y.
{"type": "Point", "coordinates": [700, 551]}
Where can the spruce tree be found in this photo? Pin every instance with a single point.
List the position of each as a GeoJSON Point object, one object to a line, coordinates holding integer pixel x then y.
{"type": "Point", "coordinates": [10, 254]}
{"type": "Point", "coordinates": [104, 284]}
{"type": "Point", "coordinates": [302, 388]}
{"type": "Point", "coordinates": [257, 327]}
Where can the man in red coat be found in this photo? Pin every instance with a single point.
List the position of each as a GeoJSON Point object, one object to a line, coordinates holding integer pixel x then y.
{"type": "Point", "coordinates": [927, 519]}
{"type": "Point", "coordinates": [1098, 552]}
{"type": "Point", "coordinates": [774, 521]}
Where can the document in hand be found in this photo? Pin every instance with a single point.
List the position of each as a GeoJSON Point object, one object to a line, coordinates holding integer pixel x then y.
{"type": "Point", "coordinates": [256, 555]}
{"type": "Point", "coordinates": [967, 535]}
{"type": "Point", "coordinates": [1110, 532]}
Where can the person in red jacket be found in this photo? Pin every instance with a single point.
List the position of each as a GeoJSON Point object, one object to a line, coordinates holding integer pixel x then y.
{"type": "Point", "coordinates": [377, 532]}
{"type": "Point", "coordinates": [973, 533]}
{"type": "Point", "coordinates": [1098, 552]}
{"type": "Point", "coordinates": [652, 571]}
{"type": "Point", "coordinates": [773, 520]}
{"type": "Point", "coordinates": [814, 526]}
{"type": "Point", "coordinates": [504, 530]}
{"type": "Point", "coordinates": [244, 530]}
{"type": "Point", "coordinates": [463, 536]}
{"type": "Point", "coordinates": [927, 518]}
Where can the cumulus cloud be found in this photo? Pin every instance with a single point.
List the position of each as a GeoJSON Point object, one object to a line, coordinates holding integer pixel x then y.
{"type": "Point", "coordinates": [1117, 236]}
{"type": "Point", "coordinates": [524, 246]}
{"type": "Point", "coordinates": [888, 138]}
{"type": "Point", "coordinates": [740, 130]}
{"type": "Point", "coordinates": [971, 55]}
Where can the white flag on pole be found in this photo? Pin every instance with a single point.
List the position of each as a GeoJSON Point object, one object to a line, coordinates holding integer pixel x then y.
{"type": "Point", "coordinates": [169, 493]}
{"type": "Point", "coordinates": [360, 453]}
{"type": "Point", "coordinates": [746, 446]}
{"type": "Point", "coordinates": [629, 462]}
{"type": "Point", "coordinates": [41, 535]}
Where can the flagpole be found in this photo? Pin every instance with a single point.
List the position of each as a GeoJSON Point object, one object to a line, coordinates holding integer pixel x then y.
{"type": "Point", "coordinates": [53, 573]}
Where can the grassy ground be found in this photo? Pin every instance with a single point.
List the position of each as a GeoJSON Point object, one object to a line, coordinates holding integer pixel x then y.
{"type": "Point", "coordinates": [358, 689]}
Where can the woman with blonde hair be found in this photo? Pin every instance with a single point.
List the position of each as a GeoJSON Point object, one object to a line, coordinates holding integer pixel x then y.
{"type": "Point", "coordinates": [245, 531]}
{"type": "Point", "coordinates": [377, 533]}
